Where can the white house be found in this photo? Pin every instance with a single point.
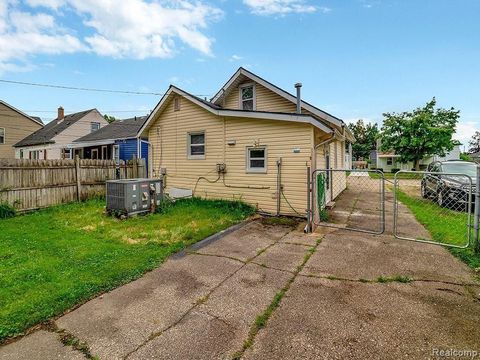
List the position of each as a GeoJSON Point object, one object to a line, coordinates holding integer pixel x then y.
{"type": "Point", "coordinates": [51, 141]}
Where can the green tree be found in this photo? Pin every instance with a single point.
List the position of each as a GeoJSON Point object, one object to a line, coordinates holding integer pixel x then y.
{"type": "Point", "coordinates": [474, 144]}
{"type": "Point", "coordinates": [423, 132]}
{"type": "Point", "coordinates": [109, 118]}
{"type": "Point", "coordinates": [365, 136]}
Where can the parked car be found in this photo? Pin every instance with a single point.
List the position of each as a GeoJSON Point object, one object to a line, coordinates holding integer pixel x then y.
{"type": "Point", "coordinates": [450, 190]}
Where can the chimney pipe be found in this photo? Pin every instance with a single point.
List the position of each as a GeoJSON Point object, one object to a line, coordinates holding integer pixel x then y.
{"type": "Point", "coordinates": [298, 86]}
{"type": "Point", "coordinates": [61, 114]}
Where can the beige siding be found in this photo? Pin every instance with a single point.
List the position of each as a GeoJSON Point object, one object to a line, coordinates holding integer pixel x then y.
{"type": "Point", "coordinates": [17, 127]}
{"type": "Point", "coordinates": [266, 100]}
{"type": "Point", "coordinates": [168, 137]}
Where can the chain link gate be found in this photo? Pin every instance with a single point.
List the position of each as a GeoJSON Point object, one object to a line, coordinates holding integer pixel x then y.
{"type": "Point", "coordinates": [438, 200]}
{"type": "Point", "coordinates": [348, 199]}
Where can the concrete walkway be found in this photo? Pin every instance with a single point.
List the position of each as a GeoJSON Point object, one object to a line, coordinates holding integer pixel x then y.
{"type": "Point", "coordinates": [203, 304]}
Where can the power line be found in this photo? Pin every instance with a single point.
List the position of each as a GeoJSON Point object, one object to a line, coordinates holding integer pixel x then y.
{"type": "Point", "coordinates": [84, 89]}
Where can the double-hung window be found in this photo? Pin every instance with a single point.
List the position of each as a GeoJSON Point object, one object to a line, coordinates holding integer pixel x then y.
{"type": "Point", "coordinates": [2, 136]}
{"type": "Point", "coordinates": [94, 126]}
{"type": "Point", "coordinates": [257, 159]}
{"type": "Point", "coordinates": [247, 97]}
{"type": "Point", "coordinates": [196, 145]}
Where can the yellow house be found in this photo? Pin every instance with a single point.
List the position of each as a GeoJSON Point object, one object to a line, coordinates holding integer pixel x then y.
{"type": "Point", "coordinates": [252, 141]}
{"type": "Point", "coordinates": [14, 126]}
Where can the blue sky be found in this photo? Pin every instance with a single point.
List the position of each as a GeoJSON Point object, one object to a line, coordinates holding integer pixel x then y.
{"type": "Point", "coordinates": [355, 58]}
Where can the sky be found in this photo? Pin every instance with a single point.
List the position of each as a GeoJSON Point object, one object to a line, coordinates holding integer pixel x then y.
{"type": "Point", "coordinates": [357, 59]}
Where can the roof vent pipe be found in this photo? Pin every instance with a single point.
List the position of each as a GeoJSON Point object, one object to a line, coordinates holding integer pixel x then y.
{"type": "Point", "coordinates": [298, 86]}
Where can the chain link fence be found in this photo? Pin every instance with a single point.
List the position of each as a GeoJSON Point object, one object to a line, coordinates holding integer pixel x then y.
{"type": "Point", "coordinates": [349, 199]}
{"type": "Point", "coordinates": [441, 202]}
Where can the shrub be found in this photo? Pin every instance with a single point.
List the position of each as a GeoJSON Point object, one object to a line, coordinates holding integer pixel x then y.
{"type": "Point", "coordinates": [395, 170]}
{"type": "Point", "coordinates": [7, 211]}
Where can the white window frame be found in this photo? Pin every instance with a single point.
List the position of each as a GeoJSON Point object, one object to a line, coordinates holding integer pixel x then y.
{"type": "Point", "coordinates": [390, 159]}
{"type": "Point", "coordinates": [4, 136]}
{"type": "Point", "coordinates": [189, 145]}
{"type": "Point", "coordinates": [64, 153]}
{"type": "Point", "coordinates": [240, 99]}
{"type": "Point", "coordinates": [91, 154]}
{"type": "Point", "coordinates": [256, 170]}
{"type": "Point", "coordinates": [96, 123]}
{"type": "Point", "coordinates": [116, 153]}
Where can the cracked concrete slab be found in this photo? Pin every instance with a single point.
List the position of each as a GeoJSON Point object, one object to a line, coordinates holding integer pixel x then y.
{"type": "Point", "coordinates": [218, 327]}
{"type": "Point", "coordinates": [283, 256]}
{"type": "Point", "coordinates": [116, 323]}
{"type": "Point", "coordinates": [323, 319]}
{"type": "Point", "coordinates": [40, 345]}
{"type": "Point", "coordinates": [246, 242]}
{"type": "Point", "coordinates": [362, 256]}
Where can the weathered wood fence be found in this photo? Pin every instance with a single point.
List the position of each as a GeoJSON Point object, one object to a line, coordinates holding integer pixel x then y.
{"type": "Point", "coordinates": [34, 184]}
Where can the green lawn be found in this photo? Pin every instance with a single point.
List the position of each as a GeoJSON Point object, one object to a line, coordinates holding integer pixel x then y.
{"type": "Point", "coordinates": [53, 259]}
{"type": "Point", "coordinates": [389, 175]}
{"type": "Point", "coordinates": [447, 226]}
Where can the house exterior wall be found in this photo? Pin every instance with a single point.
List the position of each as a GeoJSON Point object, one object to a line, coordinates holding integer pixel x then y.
{"type": "Point", "coordinates": [17, 127]}
{"type": "Point", "coordinates": [266, 100]}
{"type": "Point", "coordinates": [128, 149]}
{"type": "Point", "coordinates": [168, 137]}
{"type": "Point", "coordinates": [54, 151]}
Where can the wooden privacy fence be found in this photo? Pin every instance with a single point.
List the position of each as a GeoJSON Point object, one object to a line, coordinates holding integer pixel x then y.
{"type": "Point", "coordinates": [34, 184]}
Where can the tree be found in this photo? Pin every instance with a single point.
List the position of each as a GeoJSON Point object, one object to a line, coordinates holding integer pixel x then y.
{"type": "Point", "coordinates": [366, 138]}
{"type": "Point", "coordinates": [109, 118]}
{"type": "Point", "coordinates": [474, 144]}
{"type": "Point", "coordinates": [423, 132]}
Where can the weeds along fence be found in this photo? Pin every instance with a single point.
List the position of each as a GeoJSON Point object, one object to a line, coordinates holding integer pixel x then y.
{"type": "Point", "coordinates": [35, 184]}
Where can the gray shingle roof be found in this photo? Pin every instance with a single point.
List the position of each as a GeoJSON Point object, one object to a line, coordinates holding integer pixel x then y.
{"type": "Point", "coordinates": [37, 118]}
{"type": "Point", "coordinates": [119, 129]}
{"type": "Point", "coordinates": [46, 134]}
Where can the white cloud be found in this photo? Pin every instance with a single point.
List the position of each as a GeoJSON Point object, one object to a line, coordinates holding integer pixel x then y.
{"type": "Point", "coordinates": [122, 29]}
{"type": "Point", "coordinates": [235, 58]}
{"type": "Point", "coordinates": [465, 131]}
{"type": "Point", "coordinates": [282, 7]}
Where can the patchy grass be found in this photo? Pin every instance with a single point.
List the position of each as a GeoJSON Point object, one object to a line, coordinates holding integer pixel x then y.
{"type": "Point", "coordinates": [280, 220]}
{"type": "Point", "coordinates": [447, 226]}
{"type": "Point", "coordinates": [396, 278]}
{"type": "Point", "coordinates": [54, 259]}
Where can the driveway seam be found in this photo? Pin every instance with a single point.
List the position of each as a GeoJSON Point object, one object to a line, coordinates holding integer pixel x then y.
{"type": "Point", "coordinates": [204, 298]}
{"type": "Point", "coordinates": [262, 319]}
{"type": "Point", "coordinates": [337, 278]}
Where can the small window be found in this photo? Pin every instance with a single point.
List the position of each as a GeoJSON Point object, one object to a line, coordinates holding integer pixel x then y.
{"type": "Point", "coordinates": [247, 97]}
{"type": "Point", "coordinates": [2, 135]}
{"type": "Point", "coordinates": [389, 161]}
{"type": "Point", "coordinates": [66, 153]}
{"type": "Point", "coordinates": [176, 104]}
{"type": "Point", "coordinates": [196, 145]}
{"type": "Point", "coordinates": [257, 159]}
{"type": "Point", "coordinates": [94, 126]}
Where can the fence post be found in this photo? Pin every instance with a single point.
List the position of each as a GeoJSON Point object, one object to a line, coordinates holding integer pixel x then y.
{"type": "Point", "coordinates": [476, 216]}
{"type": "Point", "coordinates": [309, 215]}
{"type": "Point", "coordinates": [77, 177]}
{"type": "Point", "coordinates": [134, 167]}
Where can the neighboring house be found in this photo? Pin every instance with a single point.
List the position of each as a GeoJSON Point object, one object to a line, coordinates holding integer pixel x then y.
{"type": "Point", "coordinates": [475, 156]}
{"type": "Point", "coordinates": [389, 160]}
{"type": "Point", "coordinates": [51, 142]}
{"type": "Point", "coordinates": [244, 142]}
{"type": "Point", "coordinates": [116, 141]}
{"type": "Point", "coordinates": [14, 126]}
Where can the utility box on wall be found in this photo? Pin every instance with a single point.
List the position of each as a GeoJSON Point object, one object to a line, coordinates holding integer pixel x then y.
{"type": "Point", "coordinates": [133, 196]}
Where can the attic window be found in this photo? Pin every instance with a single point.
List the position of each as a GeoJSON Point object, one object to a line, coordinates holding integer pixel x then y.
{"type": "Point", "coordinates": [94, 126]}
{"type": "Point", "coordinates": [176, 104]}
{"type": "Point", "coordinates": [247, 97]}
{"type": "Point", "coordinates": [2, 135]}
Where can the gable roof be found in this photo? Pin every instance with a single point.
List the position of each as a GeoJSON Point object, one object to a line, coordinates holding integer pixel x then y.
{"type": "Point", "coordinates": [35, 119]}
{"type": "Point", "coordinates": [46, 134]}
{"type": "Point", "coordinates": [218, 110]}
{"type": "Point", "coordinates": [236, 78]}
{"type": "Point", "coordinates": [119, 129]}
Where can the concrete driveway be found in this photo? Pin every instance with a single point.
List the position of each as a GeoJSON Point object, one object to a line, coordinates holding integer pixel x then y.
{"type": "Point", "coordinates": [330, 303]}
